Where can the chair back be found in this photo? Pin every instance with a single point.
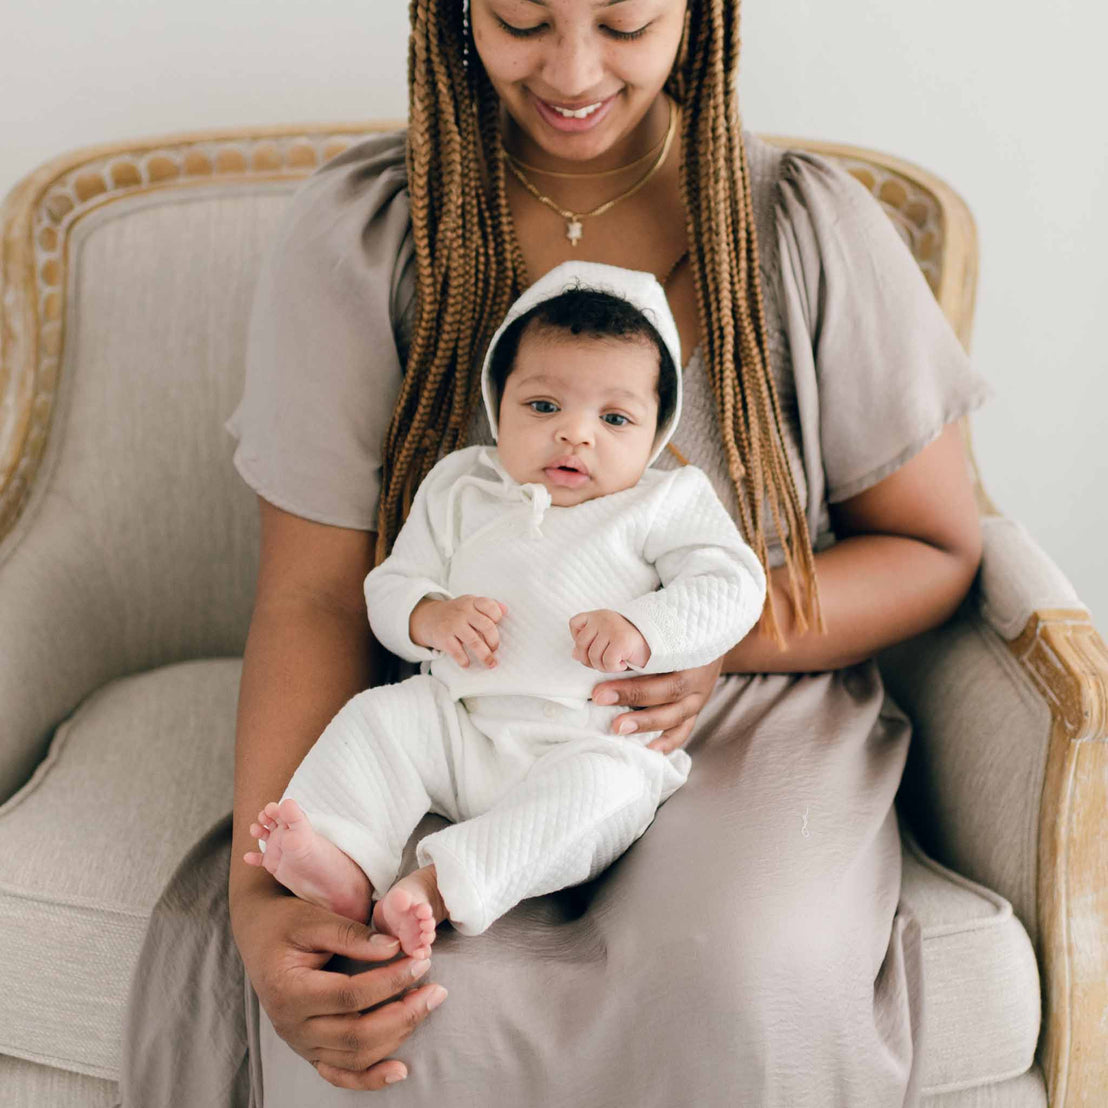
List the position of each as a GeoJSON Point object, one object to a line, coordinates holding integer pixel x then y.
{"type": "Point", "coordinates": [126, 275]}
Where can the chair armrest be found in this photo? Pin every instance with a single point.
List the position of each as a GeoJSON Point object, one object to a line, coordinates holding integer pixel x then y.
{"type": "Point", "coordinates": [1007, 778]}
{"type": "Point", "coordinates": [52, 654]}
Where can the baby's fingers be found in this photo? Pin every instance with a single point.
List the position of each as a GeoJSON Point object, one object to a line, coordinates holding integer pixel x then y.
{"type": "Point", "coordinates": [611, 661]}
{"type": "Point", "coordinates": [492, 608]}
{"type": "Point", "coordinates": [475, 642]}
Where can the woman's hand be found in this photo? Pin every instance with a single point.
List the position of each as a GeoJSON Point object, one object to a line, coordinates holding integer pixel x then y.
{"type": "Point", "coordinates": [670, 702]}
{"type": "Point", "coordinates": [285, 943]}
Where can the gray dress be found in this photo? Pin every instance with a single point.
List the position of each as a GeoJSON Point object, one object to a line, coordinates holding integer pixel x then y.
{"type": "Point", "coordinates": [750, 948]}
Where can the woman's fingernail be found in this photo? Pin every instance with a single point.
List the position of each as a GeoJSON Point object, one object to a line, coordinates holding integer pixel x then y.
{"type": "Point", "coordinates": [394, 1077]}
{"type": "Point", "coordinates": [383, 940]}
{"type": "Point", "coordinates": [437, 996]}
{"type": "Point", "coordinates": [627, 726]}
{"type": "Point", "coordinates": [419, 968]}
{"type": "Point", "coordinates": [608, 696]}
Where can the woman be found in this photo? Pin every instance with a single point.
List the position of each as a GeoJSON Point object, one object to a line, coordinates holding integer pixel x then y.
{"type": "Point", "coordinates": [749, 948]}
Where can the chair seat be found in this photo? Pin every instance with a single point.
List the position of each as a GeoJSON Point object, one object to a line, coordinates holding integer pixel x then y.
{"type": "Point", "coordinates": [981, 998]}
{"type": "Point", "coordinates": [87, 853]}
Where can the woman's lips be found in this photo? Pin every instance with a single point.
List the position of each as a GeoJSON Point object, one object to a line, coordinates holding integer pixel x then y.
{"type": "Point", "coordinates": [570, 478]}
{"type": "Point", "coordinates": [570, 125]}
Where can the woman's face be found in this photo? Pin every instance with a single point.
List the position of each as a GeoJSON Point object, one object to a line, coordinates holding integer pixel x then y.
{"type": "Point", "coordinates": [604, 61]}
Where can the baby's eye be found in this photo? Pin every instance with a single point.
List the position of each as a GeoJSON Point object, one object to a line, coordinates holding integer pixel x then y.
{"type": "Point", "coordinates": [550, 406]}
{"type": "Point", "coordinates": [616, 415]}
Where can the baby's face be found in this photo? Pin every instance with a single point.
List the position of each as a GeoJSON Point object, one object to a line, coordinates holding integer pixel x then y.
{"type": "Point", "coordinates": [579, 400]}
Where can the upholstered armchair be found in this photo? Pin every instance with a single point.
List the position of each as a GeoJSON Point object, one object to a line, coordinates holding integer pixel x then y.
{"type": "Point", "coordinates": [128, 549]}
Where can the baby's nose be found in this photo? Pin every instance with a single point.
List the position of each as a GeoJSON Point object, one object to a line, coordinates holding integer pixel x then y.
{"type": "Point", "coordinates": [575, 430]}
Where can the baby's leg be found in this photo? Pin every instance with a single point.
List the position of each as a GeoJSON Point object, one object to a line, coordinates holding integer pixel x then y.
{"type": "Point", "coordinates": [308, 864]}
{"type": "Point", "coordinates": [581, 806]}
{"type": "Point", "coordinates": [383, 762]}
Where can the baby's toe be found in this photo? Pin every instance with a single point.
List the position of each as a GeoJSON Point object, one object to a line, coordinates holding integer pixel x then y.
{"type": "Point", "coordinates": [289, 811]}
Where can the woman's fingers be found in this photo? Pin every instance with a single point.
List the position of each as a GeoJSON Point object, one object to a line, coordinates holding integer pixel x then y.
{"type": "Point", "coordinates": [375, 1078]}
{"type": "Point", "coordinates": [642, 692]}
{"type": "Point", "coordinates": [359, 1065]}
{"type": "Point", "coordinates": [337, 994]}
{"type": "Point", "coordinates": [662, 717]}
{"type": "Point", "coordinates": [670, 740]}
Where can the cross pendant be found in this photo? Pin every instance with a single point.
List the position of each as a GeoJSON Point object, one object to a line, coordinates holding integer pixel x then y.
{"type": "Point", "coordinates": [573, 231]}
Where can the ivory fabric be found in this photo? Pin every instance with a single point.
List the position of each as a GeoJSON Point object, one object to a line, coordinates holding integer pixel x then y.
{"type": "Point", "coordinates": [541, 794]}
{"type": "Point", "coordinates": [787, 817]}
{"type": "Point", "coordinates": [473, 529]}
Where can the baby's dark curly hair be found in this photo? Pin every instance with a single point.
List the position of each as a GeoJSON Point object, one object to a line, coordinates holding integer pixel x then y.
{"type": "Point", "coordinates": [594, 313]}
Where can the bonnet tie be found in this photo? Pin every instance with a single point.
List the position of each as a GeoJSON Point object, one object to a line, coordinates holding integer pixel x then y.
{"type": "Point", "coordinates": [538, 494]}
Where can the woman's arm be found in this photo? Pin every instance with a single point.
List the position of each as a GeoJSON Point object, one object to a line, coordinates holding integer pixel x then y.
{"type": "Point", "coordinates": [908, 550]}
{"type": "Point", "coordinates": [309, 650]}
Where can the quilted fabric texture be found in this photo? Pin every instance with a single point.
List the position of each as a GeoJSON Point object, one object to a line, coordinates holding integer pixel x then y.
{"type": "Point", "coordinates": [543, 795]}
{"type": "Point", "coordinates": [473, 529]}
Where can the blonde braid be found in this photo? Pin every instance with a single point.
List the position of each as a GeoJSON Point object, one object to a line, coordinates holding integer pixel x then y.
{"type": "Point", "coordinates": [469, 267]}
{"type": "Point", "coordinates": [466, 273]}
{"type": "Point", "coordinates": [715, 183]}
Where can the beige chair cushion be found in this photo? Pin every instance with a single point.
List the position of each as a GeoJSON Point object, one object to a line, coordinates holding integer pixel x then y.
{"type": "Point", "coordinates": [981, 1009]}
{"type": "Point", "coordinates": [77, 885]}
{"type": "Point", "coordinates": [90, 842]}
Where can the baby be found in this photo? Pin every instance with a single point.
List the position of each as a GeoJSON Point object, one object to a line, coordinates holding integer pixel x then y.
{"type": "Point", "coordinates": [519, 569]}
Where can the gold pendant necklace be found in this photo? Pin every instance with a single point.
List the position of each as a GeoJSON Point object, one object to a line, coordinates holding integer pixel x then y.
{"type": "Point", "coordinates": [574, 227]}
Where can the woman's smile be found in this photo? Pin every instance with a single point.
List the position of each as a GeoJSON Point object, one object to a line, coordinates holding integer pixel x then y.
{"type": "Point", "coordinates": [573, 120]}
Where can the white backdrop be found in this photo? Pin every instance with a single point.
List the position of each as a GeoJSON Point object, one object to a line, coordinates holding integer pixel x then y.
{"type": "Point", "coordinates": [1004, 101]}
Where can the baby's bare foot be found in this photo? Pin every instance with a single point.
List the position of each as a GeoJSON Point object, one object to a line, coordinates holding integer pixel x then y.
{"type": "Point", "coordinates": [411, 910]}
{"type": "Point", "coordinates": [307, 863]}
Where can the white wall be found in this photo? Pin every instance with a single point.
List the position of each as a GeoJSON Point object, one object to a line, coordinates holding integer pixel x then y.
{"type": "Point", "coordinates": [1004, 101]}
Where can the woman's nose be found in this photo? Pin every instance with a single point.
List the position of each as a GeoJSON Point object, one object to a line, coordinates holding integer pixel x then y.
{"type": "Point", "coordinates": [574, 67]}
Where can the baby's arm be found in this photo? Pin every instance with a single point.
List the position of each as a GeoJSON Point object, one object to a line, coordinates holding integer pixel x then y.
{"type": "Point", "coordinates": [713, 585]}
{"type": "Point", "coordinates": [416, 568]}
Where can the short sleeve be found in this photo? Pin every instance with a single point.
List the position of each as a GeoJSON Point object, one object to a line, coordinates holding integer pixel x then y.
{"type": "Point", "coordinates": [889, 371]}
{"type": "Point", "coordinates": [323, 365]}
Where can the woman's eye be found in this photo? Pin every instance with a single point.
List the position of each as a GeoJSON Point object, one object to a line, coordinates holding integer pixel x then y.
{"type": "Point", "coordinates": [626, 36]}
{"type": "Point", "coordinates": [616, 415]}
{"type": "Point", "coordinates": [550, 406]}
{"type": "Point", "coordinates": [519, 32]}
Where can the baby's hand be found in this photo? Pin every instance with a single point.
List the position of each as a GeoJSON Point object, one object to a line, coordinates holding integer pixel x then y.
{"type": "Point", "coordinates": [607, 642]}
{"type": "Point", "coordinates": [454, 625]}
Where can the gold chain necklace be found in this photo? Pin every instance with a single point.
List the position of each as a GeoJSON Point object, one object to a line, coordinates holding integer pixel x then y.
{"type": "Point", "coordinates": [520, 164]}
{"type": "Point", "coordinates": [574, 230]}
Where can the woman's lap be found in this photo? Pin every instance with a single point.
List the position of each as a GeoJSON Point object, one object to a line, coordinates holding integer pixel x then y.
{"type": "Point", "coordinates": [739, 952]}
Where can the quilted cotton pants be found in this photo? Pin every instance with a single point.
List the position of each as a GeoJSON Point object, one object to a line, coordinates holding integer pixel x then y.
{"type": "Point", "coordinates": [542, 795]}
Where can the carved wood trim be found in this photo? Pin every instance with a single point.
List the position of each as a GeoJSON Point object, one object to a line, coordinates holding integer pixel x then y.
{"type": "Point", "coordinates": [1066, 659]}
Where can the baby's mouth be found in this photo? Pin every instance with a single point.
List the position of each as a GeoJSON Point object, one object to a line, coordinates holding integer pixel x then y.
{"type": "Point", "coordinates": [566, 476]}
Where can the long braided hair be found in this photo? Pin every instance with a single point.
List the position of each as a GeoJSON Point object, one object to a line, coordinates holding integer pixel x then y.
{"type": "Point", "coordinates": [469, 269]}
